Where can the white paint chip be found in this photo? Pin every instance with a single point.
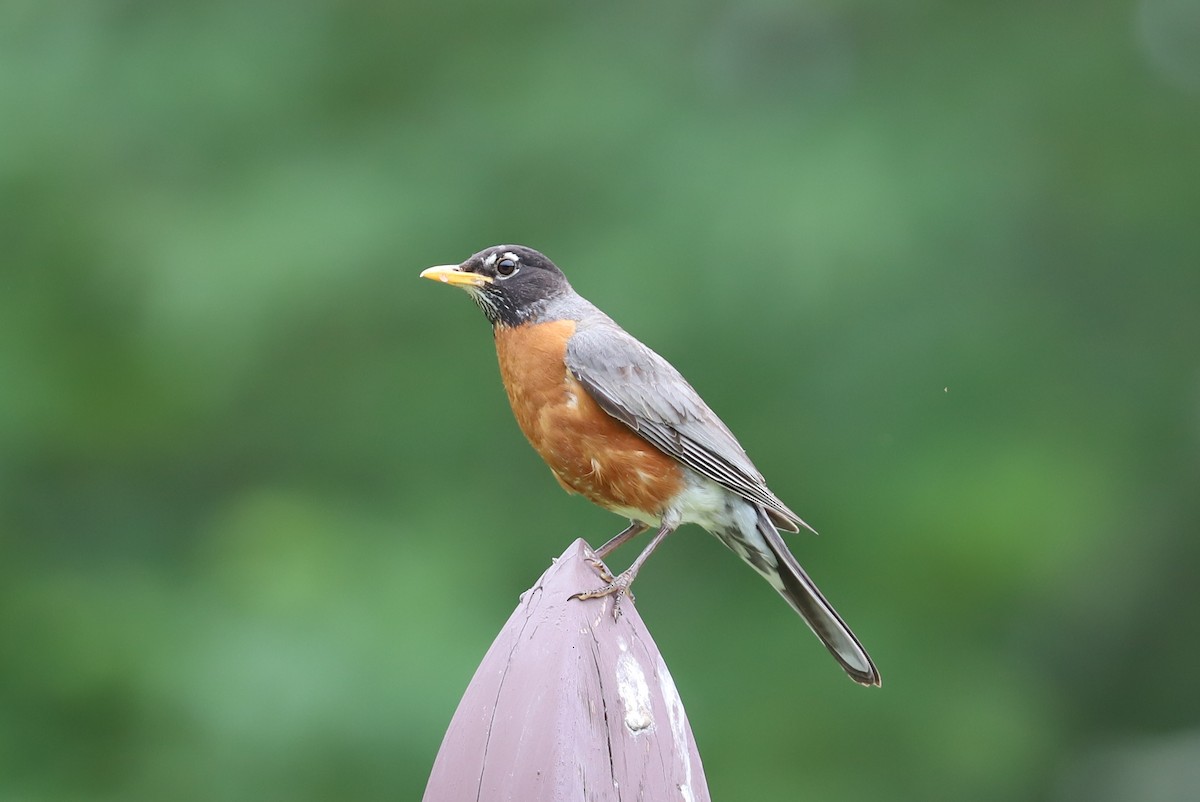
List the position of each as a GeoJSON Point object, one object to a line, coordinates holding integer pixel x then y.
{"type": "Point", "coordinates": [634, 693]}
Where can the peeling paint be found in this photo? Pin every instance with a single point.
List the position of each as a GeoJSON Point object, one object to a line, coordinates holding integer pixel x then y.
{"type": "Point", "coordinates": [679, 728]}
{"type": "Point", "coordinates": [634, 693]}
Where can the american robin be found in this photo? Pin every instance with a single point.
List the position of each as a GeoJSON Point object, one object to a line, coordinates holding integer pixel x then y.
{"type": "Point", "coordinates": [620, 426]}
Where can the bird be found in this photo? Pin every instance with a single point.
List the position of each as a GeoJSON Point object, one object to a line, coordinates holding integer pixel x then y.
{"type": "Point", "coordinates": [620, 426]}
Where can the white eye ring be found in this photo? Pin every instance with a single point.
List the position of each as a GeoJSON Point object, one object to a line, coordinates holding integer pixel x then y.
{"type": "Point", "coordinates": [507, 268]}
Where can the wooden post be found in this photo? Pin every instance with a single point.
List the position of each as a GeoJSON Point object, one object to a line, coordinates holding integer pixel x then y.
{"type": "Point", "coordinates": [569, 704]}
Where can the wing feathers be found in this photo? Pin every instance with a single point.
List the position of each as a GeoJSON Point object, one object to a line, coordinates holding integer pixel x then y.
{"type": "Point", "coordinates": [642, 390]}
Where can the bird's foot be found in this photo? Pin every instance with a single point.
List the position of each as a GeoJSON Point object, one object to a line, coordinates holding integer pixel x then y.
{"type": "Point", "coordinates": [601, 569]}
{"type": "Point", "coordinates": [617, 586]}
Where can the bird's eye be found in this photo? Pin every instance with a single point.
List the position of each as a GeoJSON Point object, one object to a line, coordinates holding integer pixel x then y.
{"type": "Point", "coordinates": [506, 267]}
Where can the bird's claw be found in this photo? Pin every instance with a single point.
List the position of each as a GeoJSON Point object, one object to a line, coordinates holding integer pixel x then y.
{"type": "Point", "coordinates": [601, 569]}
{"type": "Point", "coordinates": [618, 587]}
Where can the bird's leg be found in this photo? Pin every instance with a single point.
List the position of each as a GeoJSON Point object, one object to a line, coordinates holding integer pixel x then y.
{"type": "Point", "coordinates": [619, 585]}
{"type": "Point", "coordinates": [635, 529]}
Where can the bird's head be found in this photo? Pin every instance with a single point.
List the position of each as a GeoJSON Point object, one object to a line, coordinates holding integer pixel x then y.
{"type": "Point", "coordinates": [510, 283]}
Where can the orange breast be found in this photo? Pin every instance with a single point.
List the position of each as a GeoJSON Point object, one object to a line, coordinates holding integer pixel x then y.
{"type": "Point", "coordinates": [589, 451]}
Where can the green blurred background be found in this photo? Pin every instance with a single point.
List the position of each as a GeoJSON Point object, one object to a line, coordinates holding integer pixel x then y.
{"type": "Point", "coordinates": [262, 503]}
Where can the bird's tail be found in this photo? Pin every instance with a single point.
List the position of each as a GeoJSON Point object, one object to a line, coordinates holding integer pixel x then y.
{"type": "Point", "coordinates": [786, 576]}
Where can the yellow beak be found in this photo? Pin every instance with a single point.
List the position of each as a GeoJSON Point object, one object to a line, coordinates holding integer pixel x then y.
{"type": "Point", "coordinates": [453, 274]}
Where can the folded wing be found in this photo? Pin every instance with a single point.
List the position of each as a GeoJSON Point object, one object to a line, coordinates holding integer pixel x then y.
{"type": "Point", "coordinates": [642, 390]}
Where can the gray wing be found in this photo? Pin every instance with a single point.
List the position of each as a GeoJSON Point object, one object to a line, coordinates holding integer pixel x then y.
{"type": "Point", "coordinates": [643, 391]}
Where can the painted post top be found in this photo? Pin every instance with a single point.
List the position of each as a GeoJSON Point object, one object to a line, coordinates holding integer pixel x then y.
{"type": "Point", "coordinates": [569, 704]}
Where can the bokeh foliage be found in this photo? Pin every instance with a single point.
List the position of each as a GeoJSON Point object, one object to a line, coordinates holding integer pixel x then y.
{"type": "Point", "coordinates": [263, 506]}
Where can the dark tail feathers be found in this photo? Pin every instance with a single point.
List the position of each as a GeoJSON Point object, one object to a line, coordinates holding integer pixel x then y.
{"type": "Point", "coordinates": [802, 594]}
